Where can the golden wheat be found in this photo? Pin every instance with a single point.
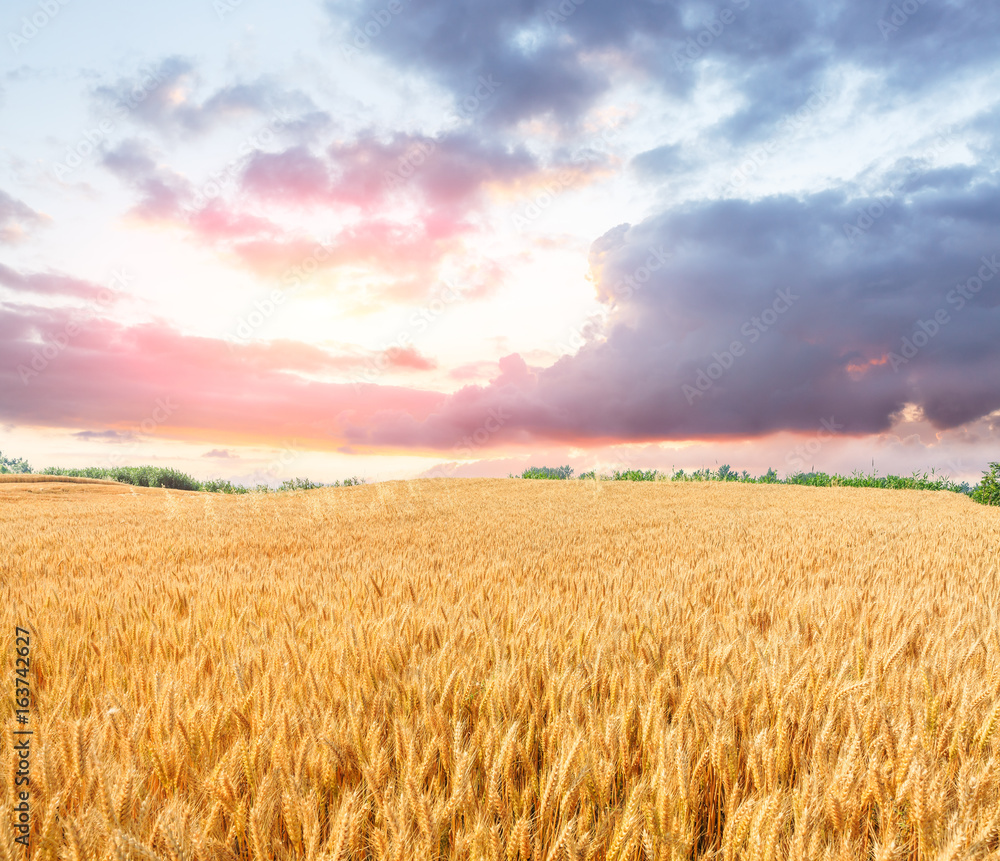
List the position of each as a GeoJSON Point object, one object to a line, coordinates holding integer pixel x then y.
{"type": "Point", "coordinates": [30, 478]}
{"type": "Point", "coordinates": [506, 670]}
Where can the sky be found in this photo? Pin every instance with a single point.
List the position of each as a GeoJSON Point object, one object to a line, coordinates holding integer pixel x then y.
{"type": "Point", "coordinates": [395, 238]}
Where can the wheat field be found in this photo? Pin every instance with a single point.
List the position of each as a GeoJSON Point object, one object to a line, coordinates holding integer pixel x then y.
{"type": "Point", "coordinates": [506, 669]}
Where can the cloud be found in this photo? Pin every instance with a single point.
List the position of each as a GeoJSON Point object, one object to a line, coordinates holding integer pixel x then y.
{"type": "Point", "coordinates": [557, 59]}
{"type": "Point", "coordinates": [400, 258]}
{"type": "Point", "coordinates": [105, 436]}
{"type": "Point", "coordinates": [415, 200]}
{"type": "Point", "coordinates": [409, 358]}
{"type": "Point", "coordinates": [166, 197]}
{"type": "Point", "coordinates": [463, 43]}
{"type": "Point", "coordinates": [293, 176]}
{"type": "Point", "coordinates": [221, 453]}
{"type": "Point", "coordinates": [733, 320]}
{"type": "Point", "coordinates": [109, 376]}
{"type": "Point", "coordinates": [15, 218]}
{"type": "Point", "coordinates": [163, 193]}
{"type": "Point", "coordinates": [727, 320]}
{"type": "Point", "coordinates": [215, 223]}
{"type": "Point", "coordinates": [52, 284]}
{"type": "Point", "coordinates": [162, 97]}
{"type": "Point", "coordinates": [447, 172]}
{"type": "Point", "coordinates": [662, 161]}
{"type": "Point", "coordinates": [449, 178]}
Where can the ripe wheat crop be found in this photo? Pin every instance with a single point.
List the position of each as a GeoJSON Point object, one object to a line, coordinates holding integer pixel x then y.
{"type": "Point", "coordinates": [480, 669]}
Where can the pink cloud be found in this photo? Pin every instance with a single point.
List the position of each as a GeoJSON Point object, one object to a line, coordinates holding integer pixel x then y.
{"type": "Point", "coordinates": [110, 377]}
{"type": "Point", "coordinates": [294, 176]}
{"type": "Point", "coordinates": [409, 358]}
{"type": "Point", "coordinates": [52, 284]}
{"type": "Point", "coordinates": [448, 172]}
{"type": "Point", "coordinates": [216, 223]}
{"type": "Point", "coordinates": [405, 254]}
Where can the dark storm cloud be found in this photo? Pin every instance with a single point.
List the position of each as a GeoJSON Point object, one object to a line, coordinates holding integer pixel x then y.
{"type": "Point", "coordinates": [736, 319]}
{"type": "Point", "coordinates": [864, 278]}
{"type": "Point", "coordinates": [557, 57]}
{"type": "Point", "coordinates": [459, 42]}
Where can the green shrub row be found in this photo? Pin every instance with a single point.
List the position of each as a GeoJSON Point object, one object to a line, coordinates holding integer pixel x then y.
{"type": "Point", "coordinates": [155, 476]}
{"type": "Point", "coordinates": [986, 492]}
{"type": "Point", "coordinates": [550, 472]}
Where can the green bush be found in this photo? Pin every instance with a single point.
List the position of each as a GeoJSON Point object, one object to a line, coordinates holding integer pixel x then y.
{"type": "Point", "coordinates": [218, 485]}
{"type": "Point", "coordinates": [138, 476]}
{"type": "Point", "coordinates": [634, 475]}
{"type": "Point", "coordinates": [988, 490]}
{"type": "Point", "coordinates": [9, 465]}
{"type": "Point", "coordinates": [697, 475]}
{"type": "Point", "coordinates": [89, 472]}
{"type": "Point", "coordinates": [155, 476]}
{"type": "Point", "coordinates": [299, 484]}
{"type": "Point", "coordinates": [549, 472]}
{"type": "Point", "coordinates": [810, 479]}
{"type": "Point", "coordinates": [917, 481]}
{"type": "Point", "coordinates": [174, 480]}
